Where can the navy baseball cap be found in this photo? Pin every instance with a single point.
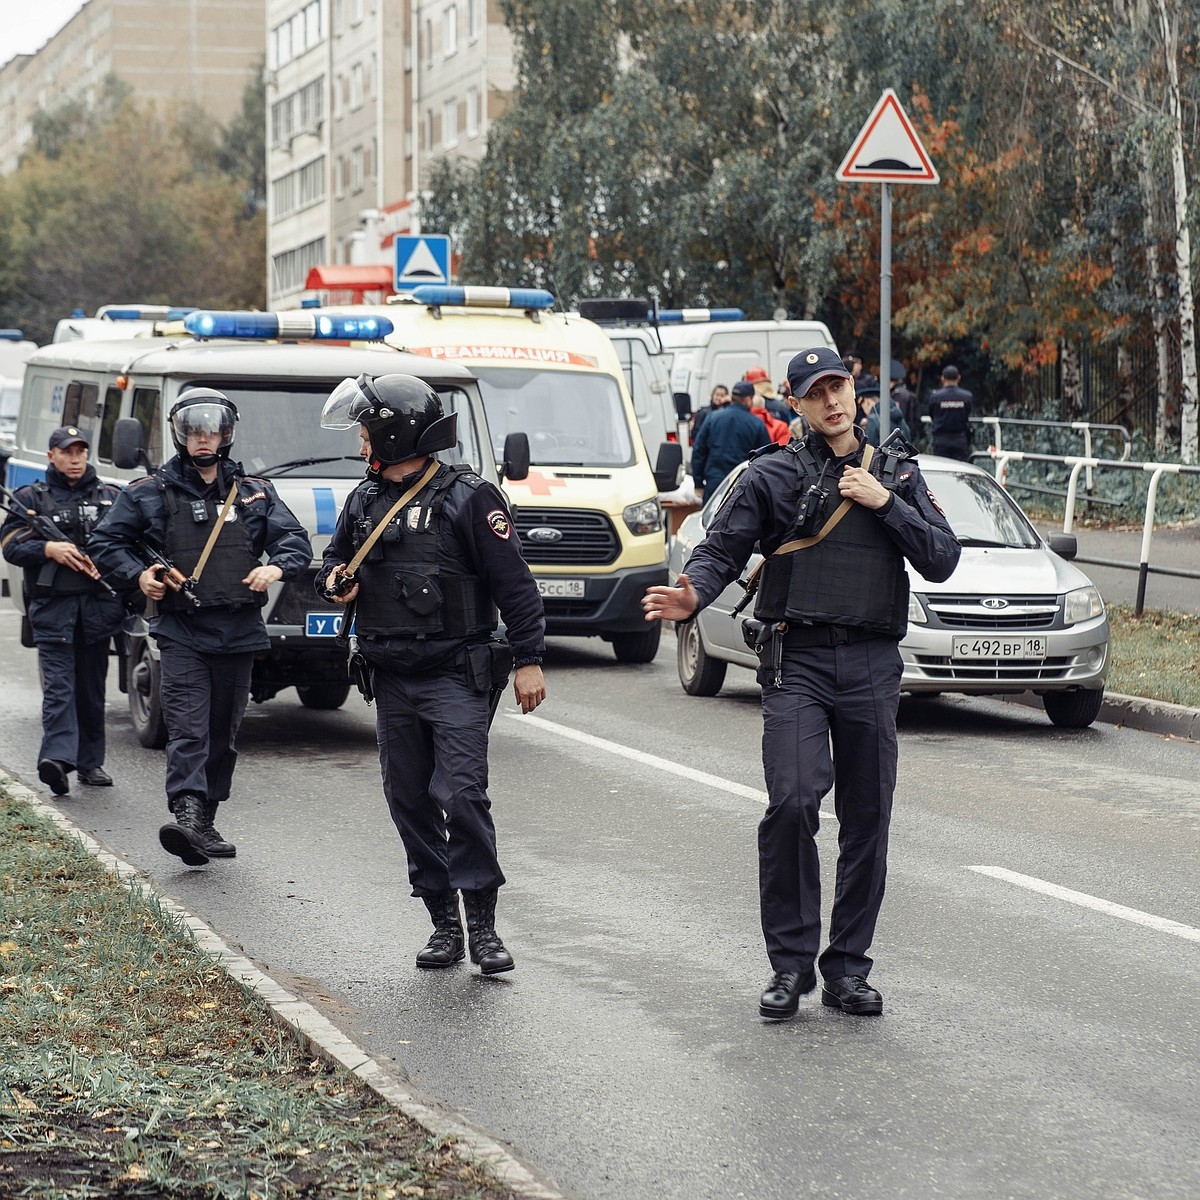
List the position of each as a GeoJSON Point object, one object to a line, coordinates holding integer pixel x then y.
{"type": "Point", "coordinates": [810, 365]}
{"type": "Point", "coordinates": [742, 388]}
{"type": "Point", "coordinates": [68, 435]}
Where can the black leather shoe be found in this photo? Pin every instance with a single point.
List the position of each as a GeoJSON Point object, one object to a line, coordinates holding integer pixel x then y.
{"type": "Point", "coordinates": [96, 776]}
{"type": "Point", "coordinates": [54, 776]}
{"type": "Point", "coordinates": [782, 997]}
{"type": "Point", "coordinates": [852, 994]}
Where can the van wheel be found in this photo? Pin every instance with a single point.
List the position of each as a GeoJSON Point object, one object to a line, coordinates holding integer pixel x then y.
{"type": "Point", "coordinates": [637, 647]}
{"type": "Point", "coordinates": [145, 700]}
{"type": "Point", "coordinates": [1073, 710]}
{"type": "Point", "coordinates": [700, 674]}
{"type": "Point", "coordinates": [323, 695]}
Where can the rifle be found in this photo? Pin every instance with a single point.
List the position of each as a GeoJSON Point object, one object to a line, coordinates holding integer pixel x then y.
{"type": "Point", "coordinates": [357, 666]}
{"type": "Point", "coordinates": [169, 573]}
{"type": "Point", "coordinates": [45, 529]}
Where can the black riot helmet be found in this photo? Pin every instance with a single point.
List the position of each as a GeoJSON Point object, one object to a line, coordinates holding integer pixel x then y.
{"type": "Point", "coordinates": [403, 416]}
{"type": "Point", "coordinates": [203, 410]}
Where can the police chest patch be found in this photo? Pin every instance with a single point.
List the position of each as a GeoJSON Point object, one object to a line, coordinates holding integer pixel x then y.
{"type": "Point", "coordinates": [498, 521]}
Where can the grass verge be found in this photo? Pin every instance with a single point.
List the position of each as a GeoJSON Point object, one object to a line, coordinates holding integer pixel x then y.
{"type": "Point", "coordinates": [132, 1065]}
{"type": "Point", "coordinates": [1156, 655]}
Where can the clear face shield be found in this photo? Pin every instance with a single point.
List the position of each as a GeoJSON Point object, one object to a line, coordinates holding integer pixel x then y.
{"type": "Point", "coordinates": [348, 403]}
{"type": "Point", "coordinates": [204, 418]}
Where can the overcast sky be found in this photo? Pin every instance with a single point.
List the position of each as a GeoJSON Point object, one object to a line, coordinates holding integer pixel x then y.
{"type": "Point", "coordinates": [27, 25]}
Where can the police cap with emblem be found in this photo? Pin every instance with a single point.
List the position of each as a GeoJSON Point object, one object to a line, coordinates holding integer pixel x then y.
{"type": "Point", "coordinates": [67, 435]}
{"type": "Point", "coordinates": [810, 365]}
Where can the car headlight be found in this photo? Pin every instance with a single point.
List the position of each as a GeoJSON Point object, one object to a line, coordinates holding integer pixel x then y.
{"type": "Point", "coordinates": [916, 610]}
{"type": "Point", "coordinates": [1083, 604]}
{"type": "Point", "coordinates": [644, 517]}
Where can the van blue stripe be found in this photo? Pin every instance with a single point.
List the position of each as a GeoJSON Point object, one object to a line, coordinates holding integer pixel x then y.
{"type": "Point", "coordinates": [326, 509]}
{"type": "Point", "coordinates": [19, 475]}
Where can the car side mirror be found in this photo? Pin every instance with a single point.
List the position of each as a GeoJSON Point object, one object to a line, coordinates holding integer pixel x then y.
{"type": "Point", "coordinates": [516, 457]}
{"type": "Point", "coordinates": [668, 470]}
{"type": "Point", "coordinates": [1064, 545]}
{"type": "Point", "coordinates": [683, 404]}
{"type": "Point", "coordinates": [127, 450]}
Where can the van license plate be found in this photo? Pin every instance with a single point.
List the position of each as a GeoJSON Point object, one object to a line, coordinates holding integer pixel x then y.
{"type": "Point", "coordinates": [571, 589]}
{"type": "Point", "coordinates": [1000, 647]}
{"type": "Point", "coordinates": [322, 624]}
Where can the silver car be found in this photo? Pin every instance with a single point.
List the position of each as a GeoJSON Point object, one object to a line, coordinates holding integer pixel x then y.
{"type": "Point", "coordinates": [1014, 617]}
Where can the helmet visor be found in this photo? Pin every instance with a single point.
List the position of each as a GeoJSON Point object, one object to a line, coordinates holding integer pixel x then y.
{"type": "Point", "coordinates": [348, 403]}
{"type": "Point", "coordinates": [203, 417]}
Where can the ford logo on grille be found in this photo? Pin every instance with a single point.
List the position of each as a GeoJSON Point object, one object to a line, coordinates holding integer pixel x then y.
{"type": "Point", "coordinates": [994, 602]}
{"type": "Point", "coordinates": [545, 535]}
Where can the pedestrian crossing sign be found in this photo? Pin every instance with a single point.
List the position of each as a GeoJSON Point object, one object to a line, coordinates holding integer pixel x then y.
{"type": "Point", "coordinates": [421, 260]}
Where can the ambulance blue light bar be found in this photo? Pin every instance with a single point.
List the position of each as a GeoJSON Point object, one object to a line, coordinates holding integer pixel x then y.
{"type": "Point", "coordinates": [436, 296]}
{"type": "Point", "coordinates": [299, 325]}
{"type": "Point", "coordinates": [687, 316]}
{"type": "Point", "coordinates": [11, 335]}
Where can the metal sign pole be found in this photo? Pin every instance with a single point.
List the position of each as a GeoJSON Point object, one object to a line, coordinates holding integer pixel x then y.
{"type": "Point", "coordinates": [885, 315]}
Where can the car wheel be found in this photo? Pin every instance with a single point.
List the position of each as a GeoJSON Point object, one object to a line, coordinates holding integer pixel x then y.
{"type": "Point", "coordinates": [323, 695]}
{"type": "Point", "coordinates": [145, 700]}
{"type": "Point", "coordinates": [700, 674]}
{"type": "Point", "coordinates": [637, 647]}
{"type": "Point", "coordinates": [1073, 710]}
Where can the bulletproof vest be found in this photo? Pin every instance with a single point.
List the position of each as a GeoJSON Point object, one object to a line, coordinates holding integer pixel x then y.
{"type": "Point", "coordinates": [417, 581]}
{"type": "Point", "coordinates": [76, 518]}
{"type": "Point", "coordinates": [189, 523]}
{"type": "Point", "coordinates": [854, 576]}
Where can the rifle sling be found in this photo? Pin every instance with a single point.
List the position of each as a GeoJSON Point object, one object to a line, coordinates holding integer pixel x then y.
{"type": "Point", "coordinates": [377, 532]}
{"type": "Point", "coordinates": [216, 533]}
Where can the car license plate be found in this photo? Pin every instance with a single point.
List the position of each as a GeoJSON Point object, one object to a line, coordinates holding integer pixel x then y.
{"type": "Point", "coordinates": [999, 647]}
{"type": "Point", "coordinates": [561, 588]}
{"type": "Point", "coordinates": [322, 624]}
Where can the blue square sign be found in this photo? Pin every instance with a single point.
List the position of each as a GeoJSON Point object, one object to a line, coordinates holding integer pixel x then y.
{"type": "Point", "coordinates": [422, 260]}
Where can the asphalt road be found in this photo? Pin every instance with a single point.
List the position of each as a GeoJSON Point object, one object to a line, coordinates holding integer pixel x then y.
{"type": "Point", "coordinates": [1036, 1043]}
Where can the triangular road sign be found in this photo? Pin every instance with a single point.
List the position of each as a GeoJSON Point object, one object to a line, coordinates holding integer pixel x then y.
{"type": "Point", "coordinates": [887, 149]}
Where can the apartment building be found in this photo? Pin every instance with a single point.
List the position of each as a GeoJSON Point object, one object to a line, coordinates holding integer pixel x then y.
{"type": "Point", "coordinates": [168, 51]}
{"type": "Point", "coordinates": [361, 96]}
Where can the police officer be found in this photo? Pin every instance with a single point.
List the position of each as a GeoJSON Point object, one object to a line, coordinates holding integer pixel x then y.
{"type": "Point", "coordinates": [444, 555]}
{"type": "Point", "coordinates": [72, 613]}
{"type": "Point", "coordinates": [831, 608]}
{"type": "Point", "coordinates": [208, 519]}
{"type": "Point", "coordinates": [950, 417]}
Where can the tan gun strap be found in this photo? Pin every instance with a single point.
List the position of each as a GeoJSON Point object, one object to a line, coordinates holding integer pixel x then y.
{"type": "Point", "coordinates": [377, 532]}
{"type": "Point", "coordinates": [216, 533]}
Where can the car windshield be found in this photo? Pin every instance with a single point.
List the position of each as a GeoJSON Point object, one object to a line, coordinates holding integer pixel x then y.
{"type": "Point", "coordinates": [980, 511]}
{"type": "Point", "coordinates": [282, 425]}
{"type": "Point", "coordinates": [572, 418]}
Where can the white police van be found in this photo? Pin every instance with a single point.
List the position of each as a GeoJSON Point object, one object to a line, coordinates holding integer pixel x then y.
{"type": "Point", "coordinates": [279, 370]}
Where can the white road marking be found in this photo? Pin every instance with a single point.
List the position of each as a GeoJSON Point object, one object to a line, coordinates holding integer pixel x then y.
{"type": "Point", "coordinates": [650, 760]}
{"type": "Point", "coordinates": [1162, 924]}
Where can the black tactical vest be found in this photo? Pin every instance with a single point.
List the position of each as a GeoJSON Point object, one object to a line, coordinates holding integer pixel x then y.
{"type": "Point", "coordinates": [189, 523]}
{"type": "Point", "coordinates": [854, 576]}
{"type": "Point", "coordinates": [76, 518]}
{"type": "Point", "coordinates": [417, 581]}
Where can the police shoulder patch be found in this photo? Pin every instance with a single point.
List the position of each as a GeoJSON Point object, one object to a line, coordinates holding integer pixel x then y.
{"type": "Point", "coordinates": [499, 524]}
{"type": "Point", "coordinates": [933, 501]}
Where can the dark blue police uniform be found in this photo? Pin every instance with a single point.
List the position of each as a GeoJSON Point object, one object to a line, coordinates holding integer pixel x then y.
{"type": "Point", "coordinates": [73, 619]}
{"type": "Point", "coordinates": [843, 603]}
{"type": "Point", "coordinates": [207, 652]}
{"type": "Point", "coordinates": [950, 422]}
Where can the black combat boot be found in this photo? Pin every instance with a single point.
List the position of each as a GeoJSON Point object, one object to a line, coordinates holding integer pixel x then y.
{"type": "Point", "coordinates": [215, 846]}
{"type": "Point", "coordinates": [445, 946]}
{"type": "Point", "coordinates": [486, 947]}
{"type": "Point", "coordinates": [185, 838]}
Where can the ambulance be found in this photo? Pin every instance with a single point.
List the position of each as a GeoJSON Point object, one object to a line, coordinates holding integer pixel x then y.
{"type": "Point", "coordinates": [279, 370]}
{"type": "Point", "coordinates": [588, 515]}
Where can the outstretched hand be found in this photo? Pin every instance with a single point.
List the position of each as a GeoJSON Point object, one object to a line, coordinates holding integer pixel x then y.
{"type": "Point", "coordinates": [665, 603]}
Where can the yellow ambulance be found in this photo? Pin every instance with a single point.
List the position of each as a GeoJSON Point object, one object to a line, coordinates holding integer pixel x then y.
{"type": "Point", "coordinates": [588, 515]}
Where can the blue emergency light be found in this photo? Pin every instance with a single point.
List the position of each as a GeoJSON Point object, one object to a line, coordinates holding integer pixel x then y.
{"type": "Point", "coordinates": [688, 316]}
{"type": "Point", "coordinates": [435, 296]}
{"type": "Point", "coordinates": [11, 335]}
{"type": "Point", "coordinates": [298, 325]}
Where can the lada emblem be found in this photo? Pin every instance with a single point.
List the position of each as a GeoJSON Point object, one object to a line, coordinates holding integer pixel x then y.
{"type": "Point", "coordinates": [545, 535]}
{"type": "Point", "coordinates": [994, 602]}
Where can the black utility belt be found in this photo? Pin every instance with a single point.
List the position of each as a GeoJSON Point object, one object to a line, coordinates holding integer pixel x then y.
{"type": "Point", "coordinates": [827, 635]}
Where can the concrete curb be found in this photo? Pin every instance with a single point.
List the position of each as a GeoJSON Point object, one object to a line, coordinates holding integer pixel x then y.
{"type": "Point", "coordinates": [322, 1037]}
{"type": "Point", "coordinates": [1135, 712]}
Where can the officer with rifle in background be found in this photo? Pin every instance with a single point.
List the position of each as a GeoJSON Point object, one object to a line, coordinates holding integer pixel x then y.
{"type": "Point", "coordinates": [72, 610]}
{"type": "Point", "coordinates": [835, 520]}
{"type": "Point", "coordinates": [422, 555]}
{"type": "Point", "coordinates": [192, 537]}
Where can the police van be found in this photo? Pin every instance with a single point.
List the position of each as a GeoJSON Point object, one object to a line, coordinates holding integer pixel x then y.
{"type": "Point", "coordinates": [115, 322]}
{"type": "Point", "coordinates": [120, 392]}
{"type": "Point", "coordinates": [587, 513]}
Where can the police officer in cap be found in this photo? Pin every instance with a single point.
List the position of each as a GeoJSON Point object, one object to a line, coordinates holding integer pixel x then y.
{"type": "Point", "coordinates": [444, 556]}
{"type": "Point", "coordinates": [72, 613]}
{"type": "Point", "coordinates": [210, 521]}
{"type": "Point", "coordinates": [832, 606]}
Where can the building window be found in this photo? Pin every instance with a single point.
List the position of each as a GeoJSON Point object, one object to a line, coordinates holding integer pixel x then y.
{"type": "Point", "coordinates": [339, 177]}
{"type": "Point", "coordinates": [373, 170]}
{"type": "Point", "coordinates": [374, 81]}
{"type": "Point", "coordinates": [472, 112]}
{"type": "Point", "coordinates": [290, 269]}
{"type": "Point", "coordinates": [450, 123]}
{"type": "Point", "coordinates": [473, 9]}
{"type": "Point", "coordinates": [429, 129]}
{"type": "Point", "coordinates": [356, 87]}
{"type": "Point", "coordinates": [450, 31]}
{"type": "Point", "coordinates": [291, 38]}
{"type": "Point", "coordinates": [356, 169]}
{"type": "Point", "coordinates": [356, 11]}
{"type": "Point", "coordinates": [428, 43]}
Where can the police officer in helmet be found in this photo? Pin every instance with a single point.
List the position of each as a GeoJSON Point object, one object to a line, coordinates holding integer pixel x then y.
{"type": "Point", "coordinates": [440, 557]}
{"type": "Point", "coordinates": [215, 525]}
{"type": "Point", "coordinates": [835, 527]}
